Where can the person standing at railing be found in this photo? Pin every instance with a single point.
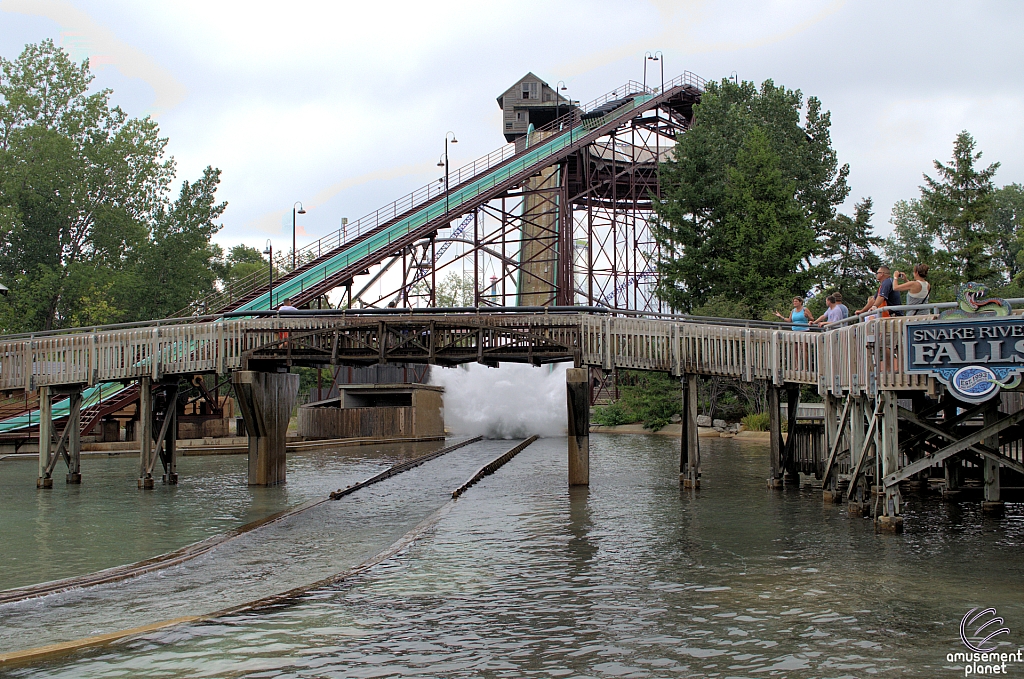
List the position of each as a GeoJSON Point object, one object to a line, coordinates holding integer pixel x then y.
{"type": "Point", "coordinates": [798, 316]}
{"type": "Point", "coordinates": [833, 313]}
{"type": "Point", "coordinates": [918, 289]}
{"type": "Point", "coordinates": [839, 303]}
{"type": "Point", "coordinates": [886, 295]}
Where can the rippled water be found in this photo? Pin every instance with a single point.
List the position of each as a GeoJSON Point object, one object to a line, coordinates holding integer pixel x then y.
{"type": "Point", "coordinates": [106, 521]}
{"type": "Point", "coordinates": [632, 577]}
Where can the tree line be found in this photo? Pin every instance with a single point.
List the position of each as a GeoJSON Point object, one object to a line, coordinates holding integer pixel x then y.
{"type": "Point", "coordinates": [91, 231]}
{"type": "Point", "coordinates": [749, 217]}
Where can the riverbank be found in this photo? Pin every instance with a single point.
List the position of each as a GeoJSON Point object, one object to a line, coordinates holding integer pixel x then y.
{"type": "Point", "coordinates": [676, 431]}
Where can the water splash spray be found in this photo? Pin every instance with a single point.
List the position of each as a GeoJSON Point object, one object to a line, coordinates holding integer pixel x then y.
{"type": "Point", "coordinates": [512, 401]}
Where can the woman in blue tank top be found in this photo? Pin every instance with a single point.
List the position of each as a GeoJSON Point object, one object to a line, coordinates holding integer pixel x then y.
{"type": "Point", "coordinates": [798, 316]}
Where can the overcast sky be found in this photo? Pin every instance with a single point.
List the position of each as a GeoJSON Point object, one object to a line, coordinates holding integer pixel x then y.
{"type": "Point", "coordinates": [344, 105]}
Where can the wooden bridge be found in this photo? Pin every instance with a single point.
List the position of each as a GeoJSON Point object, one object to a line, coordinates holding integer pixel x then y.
{"type": "Point", "coordinates": [858, 370]}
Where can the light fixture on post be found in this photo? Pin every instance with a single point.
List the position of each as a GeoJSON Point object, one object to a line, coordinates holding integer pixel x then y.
{"type": "Point", "coordinates": [558, 97]}
{"type": "Point", "coordinates": [656, 56]}
{"type": "Point", "coordinates": [269, 251]}
{"type": "Point", "coordinates": [301, 211]}
{"type": "Point", "coordinates": [445, 163]}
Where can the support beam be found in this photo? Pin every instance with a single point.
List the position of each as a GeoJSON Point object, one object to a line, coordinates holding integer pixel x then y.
{"type": "Point", "coordinates": [888, 427]}
{"type": "Point", "coordinates": [858, 421]}
{"type": "Point", "coordinates": [988, 449]}
{"type": "Point", "coordinates": [266, 401]}
{"type": "Point", "coordinates": [45, 436]}
{"type": "Point", "coordinates": [577, 392]}
{"type": "Point", "coordinates": [145, 432]}
{"type": "Point", "coordinates": [775, 425]}
{"type": "Point", "coordinates": [689, 454]}
{"type": "Point", "coordinates": [957, 447]}
{"type": "Point", "coordinates": [74, 444]}
{"type": "Point", "coordinates": [992, 504]}
{"type": "Point", "coordinates": [788, 458]}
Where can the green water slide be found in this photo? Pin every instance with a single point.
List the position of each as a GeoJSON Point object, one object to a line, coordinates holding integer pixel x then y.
{"type": "Point", "coordinates": [90, 397]}
{"type": "Point", "coordinates": [379, 241]}
{"type": "Point", "coordinates": [534, 157]}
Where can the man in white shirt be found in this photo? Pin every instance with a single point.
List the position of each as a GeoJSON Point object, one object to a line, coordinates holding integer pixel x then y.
{"type": "Point", "coordinates": [287, 306]}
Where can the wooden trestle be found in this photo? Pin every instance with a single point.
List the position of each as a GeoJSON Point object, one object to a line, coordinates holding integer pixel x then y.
{"type": "Point", "coordinates": [881, 427]}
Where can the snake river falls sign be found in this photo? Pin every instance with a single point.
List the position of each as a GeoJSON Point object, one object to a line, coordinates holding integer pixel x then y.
{"type": "Point", "coordinates": [974, 357]}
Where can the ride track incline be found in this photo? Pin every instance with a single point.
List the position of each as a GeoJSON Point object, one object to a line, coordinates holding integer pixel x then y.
{"type": "Point", "coordinates": [339, 256]}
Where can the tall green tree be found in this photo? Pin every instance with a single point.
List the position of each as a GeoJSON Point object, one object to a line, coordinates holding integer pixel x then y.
{"type": "Point", "coordinates": [88, 233]}
{"type": "Point", "coordinates": [697, 198]}
{"type": "Point", "coordinates": [955, 206]}
{"type": "Point", "coordinates": [765, 235]}
{"type": "Point", "coordinates": [849, 253]}
{"type": "Point", "coordinates": [1006, 223]}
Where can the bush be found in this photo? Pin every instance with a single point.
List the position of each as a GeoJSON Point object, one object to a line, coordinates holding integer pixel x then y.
{"type": "Point", "coordinates": [612, 415]}
{"type": "Point", "coordinates": [756, 421]}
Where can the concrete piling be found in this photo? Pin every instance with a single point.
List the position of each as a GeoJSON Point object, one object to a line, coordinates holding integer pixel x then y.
{"type": "Point", "coordinates": [266, 401]}
{"type": "Point", "coordinates": [577, 391]}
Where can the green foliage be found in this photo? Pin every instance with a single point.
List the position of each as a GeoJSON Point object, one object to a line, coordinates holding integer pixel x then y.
{"type": "Point", "coordinates": [88, 234]}
{"type": "Point", "coordinates": [653, 398]}
{"type": "Point", "coordinates": [756, 421]}
{"type": "Point", "coordinates": [849, 255]}
{"type": "Point", "coordinates": [955, 207]}
{"type": "Point", "coordinates": [750, 187]}
{"type": "Point", "coordinates": [613, 414]}
{"type": "Point", "coordinates": [1005, 222]}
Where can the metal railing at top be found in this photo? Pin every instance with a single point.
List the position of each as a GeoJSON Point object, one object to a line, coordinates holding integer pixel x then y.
{"type": "Point", "coordinates": [421, 196]}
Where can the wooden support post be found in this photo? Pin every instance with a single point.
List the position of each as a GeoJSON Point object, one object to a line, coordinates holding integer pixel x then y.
{"type": "Point", "coordinates": [577, 392]}
{"type": "Point", "coordinates": [888, 431]}
{"type": "Point", "coordinates": [992, 504]}
{"type": "Point", "coordinates": [266, 401]}
{"type": "Point", "coordinates": [45, 436]}
{"type": "Point", "coordinates": [169, 452]}
{"type": "Point", "coordinates": [689, 453]}
{"type": "Point", "coordinates": [775, 424]}
{"type": "Point", "coordinates": [832, 434]}
{"type": "Point", "coordinates": [75, 437]}
{"type": "Point", "coordinates": [792, 476]}
{"type": "Point", "coordinates": [951, 467]}
{"type": "Point", "coordinates": [145, 431]}
{"type": "Point", "coordinates": [859, 413]}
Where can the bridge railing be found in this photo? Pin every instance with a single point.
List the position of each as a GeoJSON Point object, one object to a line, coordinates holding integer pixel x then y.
{"type": "Point", "coordinates": [856, 358]}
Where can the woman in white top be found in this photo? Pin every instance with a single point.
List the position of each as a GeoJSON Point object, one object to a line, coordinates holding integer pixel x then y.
{"type": "Point", "coordinates": [918, 289]}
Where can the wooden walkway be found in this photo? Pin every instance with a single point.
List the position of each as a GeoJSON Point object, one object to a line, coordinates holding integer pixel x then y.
{"type": "Point", "coordinates": [858, 359]}
{"type": "Point", "coordinates": [864, 446]}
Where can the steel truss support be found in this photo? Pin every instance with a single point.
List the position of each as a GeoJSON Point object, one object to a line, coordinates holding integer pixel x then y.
{"type": "Point", "coordinates": [576, 232]}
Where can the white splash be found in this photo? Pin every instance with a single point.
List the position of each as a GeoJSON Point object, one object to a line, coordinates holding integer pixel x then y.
{"type": "Point", "coordinates": [511, 401]}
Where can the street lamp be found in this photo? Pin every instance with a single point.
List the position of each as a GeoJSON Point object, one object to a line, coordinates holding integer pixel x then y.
{"type": "Point", "coordinates": [558, 97]}
{"type": "Point", "coordinates": [657, 56]}
{"type": "Point", "coordinates": [269, 250]}
{"type": "Point", "coordinates": [301, 211]}
{"type": "Point", "coordinates": [443, 162]}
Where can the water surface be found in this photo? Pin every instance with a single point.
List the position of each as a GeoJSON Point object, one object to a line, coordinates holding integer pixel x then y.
{"type": "Point", "coordinates": [631, 578]}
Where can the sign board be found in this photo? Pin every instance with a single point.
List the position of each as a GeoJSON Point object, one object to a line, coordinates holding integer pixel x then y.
{"type": "Point", "coordinates": [973, 357]}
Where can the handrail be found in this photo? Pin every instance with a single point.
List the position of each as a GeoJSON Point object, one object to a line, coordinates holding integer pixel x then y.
{"type": "Point", "coordinates": [421, 196]}
{"type": "Point", "coordinates": [933, 306]}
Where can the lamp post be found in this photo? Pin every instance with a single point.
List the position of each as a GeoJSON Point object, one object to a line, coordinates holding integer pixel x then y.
{"type": "Point", "coordinates": [558, 97]}
{"type": "Point", "coordinates": [656, 56]}
{"type": "Point", "coordinates": [269, 250]}
{"type": "Point", "coordinates": [443, 162]}
{"type": "Point", "coordinates": [301, 211]}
